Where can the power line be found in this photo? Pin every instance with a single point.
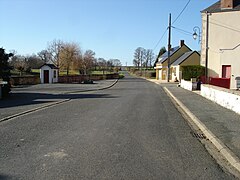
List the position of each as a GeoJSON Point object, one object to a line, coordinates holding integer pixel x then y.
{"type": "Point", "coordinates": [187, 34]}
{"type": "Point", "coordinates": [229, 28]}
{"type": "Point", "coordinates": [181, 11]}
{"type": "Point", "coordinates": [226, 25]}
{"type": "Point", "coordinates": [160, 39]}
{"type": "Point", "coordinates": [172, 23]}
{"type": "Point", "coordinates": [181, 30]}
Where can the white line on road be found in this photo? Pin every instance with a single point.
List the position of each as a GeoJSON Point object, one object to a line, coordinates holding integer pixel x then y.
{"type": "Point", "coordinates": [34, 110]}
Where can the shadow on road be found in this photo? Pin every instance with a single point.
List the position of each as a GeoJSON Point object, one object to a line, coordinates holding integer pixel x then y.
{"type": "Point", "coordinates": [6, 177]}
{"type": "Point", "coordinates": [21, 99]}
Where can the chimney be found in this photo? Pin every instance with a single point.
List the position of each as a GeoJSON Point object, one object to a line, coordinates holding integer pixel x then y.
{"type": "Point", "coordinates": [227, 4]}
{"type": "Point", "coordinates": [181, 43]}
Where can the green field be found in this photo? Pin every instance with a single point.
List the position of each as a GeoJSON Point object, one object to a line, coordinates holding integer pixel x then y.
{"type": "Point", "coordinates": [61, 73]}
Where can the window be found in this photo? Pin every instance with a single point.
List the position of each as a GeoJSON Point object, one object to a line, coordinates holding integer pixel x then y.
{"type": "Point", "coordinates": [54, 73]}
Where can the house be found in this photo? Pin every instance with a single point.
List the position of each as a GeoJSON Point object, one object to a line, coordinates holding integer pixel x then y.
{"type": "Point", "coordinates": [162, 64]}
{"type": "Point", "coordinates": [49, 73]}
{"type": "Point", "coordinates": [221, 42]}
{"type": "Point", "coordinates": [188, 58]}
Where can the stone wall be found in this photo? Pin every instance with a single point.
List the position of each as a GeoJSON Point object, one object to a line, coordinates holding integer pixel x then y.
{"type": "Point", "coordinates": [24, 80]}
{"type": "Point", "coordinates": [81, 78]}
{"type": "Point", "coordinates": [31, 80]}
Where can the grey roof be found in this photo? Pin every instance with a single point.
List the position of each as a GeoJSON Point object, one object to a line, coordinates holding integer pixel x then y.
{"type": "Point", "coordinates": [164, 56]}
{"type": "Point", "coordinates": [217, 7]}
{"type": "Point", "coordinates": [183, 58]}
{"type": "Point", "coordinates": [52, 66]}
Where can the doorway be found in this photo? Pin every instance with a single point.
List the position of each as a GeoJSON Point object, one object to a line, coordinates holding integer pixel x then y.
{"type": "Point", "coordinates": [226, 71]}
{"type": "Point", "coordinates": [46, 76]}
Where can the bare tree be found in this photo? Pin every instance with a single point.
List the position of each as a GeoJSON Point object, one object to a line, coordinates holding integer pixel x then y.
{"type": "Point", "coordinates": [149, 58]}
{"type": "Point", "coordinates": [116, 64]}
{"type": "Point", "coordinates": [69, 53]}
{"type": "Point", "coordinates": [78, 63]}
{"type": "Point", "coordinates": [54, 49]}
{"type": "Point", "coordinates": [45, 56]}
{"type": "Point", "coordinates": [138, 57]}
{"type": "Point", "coordinates": [95, 64]}
{"type": "Point", "coordinates": [102, 63]}
{"type": "Point", "coordinates": [88, 60]}
{"type": "Point", "coordinates": [34, 61]}
{"type": "Point", "coordinates": [20, 64]}
{"type": "Point", "coordinates": [13, 52]}
{"type": "Point", "coordinates": [85, 61]}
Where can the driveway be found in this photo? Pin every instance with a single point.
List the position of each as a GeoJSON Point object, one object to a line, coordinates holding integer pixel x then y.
{"type": "Point", "coordinates": [25, 98]}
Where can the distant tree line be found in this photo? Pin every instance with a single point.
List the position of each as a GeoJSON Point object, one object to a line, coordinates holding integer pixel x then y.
{"type": "Point", "coordinates": [66, 56]}
{"type": "Point", "coordinates": [145, 58]}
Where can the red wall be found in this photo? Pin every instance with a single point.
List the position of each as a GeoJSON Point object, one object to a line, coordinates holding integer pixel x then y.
{"type": "Point", "coordinates": [221, 82]}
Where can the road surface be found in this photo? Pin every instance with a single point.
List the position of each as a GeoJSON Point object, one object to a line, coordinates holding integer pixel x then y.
{"type": "Point", "coordinates": [130, 131]}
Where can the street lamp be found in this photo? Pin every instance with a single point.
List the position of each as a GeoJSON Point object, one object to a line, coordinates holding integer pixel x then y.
{"type": "Point", "coordinates": [196, 33]}
{"type": "Point", "coordinates": [195, 36]}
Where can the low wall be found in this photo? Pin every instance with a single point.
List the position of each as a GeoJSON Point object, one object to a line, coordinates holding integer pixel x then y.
{"type": "Point", "coordinates": [81, 78]}
{"type": "Point", "coordinates": [222, 96]}
{"type": "Point", "coordinates": [31, 80]}
{"type": "Point", "coordinates": [221, 82]}
{"type": "Point", "coordinates": [24, 80]}
{"type": "Point", "coordinates": [188, 85]}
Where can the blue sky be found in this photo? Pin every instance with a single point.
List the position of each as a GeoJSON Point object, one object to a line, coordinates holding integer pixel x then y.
{"type": "Point", "coordinates": [111, 28]}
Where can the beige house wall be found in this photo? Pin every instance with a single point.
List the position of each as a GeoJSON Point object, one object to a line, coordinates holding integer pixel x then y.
{"type": "Point", "coordinates": [194, 59]}
{"type": "Point", "coordinates": [224, 35]}
{"type": "Point", "coordinates": [173, 58]}
{"type": "Point", "coordinates": [176, 55]}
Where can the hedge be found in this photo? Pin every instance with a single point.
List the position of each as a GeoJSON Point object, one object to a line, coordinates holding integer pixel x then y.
{"type": "Point", "coordinates": [193, 71]}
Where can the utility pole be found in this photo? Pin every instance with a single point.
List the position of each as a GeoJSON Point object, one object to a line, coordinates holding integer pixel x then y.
{"type": "Point", "coordinates": [169, 47]}
{"type": "Point", "coordinates": [206, 57]}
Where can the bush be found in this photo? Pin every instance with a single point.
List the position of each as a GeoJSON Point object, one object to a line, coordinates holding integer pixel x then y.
{"type": "Point", "coordinates": [121, 76]}
{"type": "Point", "coordinates": [194, 71]}
{"type": "Point", "coordinates": [5, 71]}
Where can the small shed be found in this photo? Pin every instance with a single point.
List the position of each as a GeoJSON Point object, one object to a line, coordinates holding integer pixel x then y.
{"type": "Point", "coordinates": [49, 73]}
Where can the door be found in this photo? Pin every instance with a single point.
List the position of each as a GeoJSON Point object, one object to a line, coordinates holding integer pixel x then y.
{"type": "Point", "coordinates": [46, 76]}
{"type": "Point", "coordinates": [226, 71]}
{"type": "Point", "coordinates": [159, 74]}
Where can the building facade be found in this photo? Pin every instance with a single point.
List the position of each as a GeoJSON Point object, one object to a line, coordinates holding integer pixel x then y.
{"type": "Point", "coordinates": [162, 64]}
{"type": "Point", "coordinates": [221, 40]}
{"type": "Point", "coordinates": [49, 74]}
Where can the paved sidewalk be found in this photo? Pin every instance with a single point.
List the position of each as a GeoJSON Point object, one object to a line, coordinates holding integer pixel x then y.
{"type": "Point", "coordinates": [26, 98]}
{"type": "Point", "coordinates": [223, 123]}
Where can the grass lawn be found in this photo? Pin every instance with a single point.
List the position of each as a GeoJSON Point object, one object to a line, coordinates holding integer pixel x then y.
{"type": "Point", "coordinates": [35, 70]}
{"type": "Point", "coordinates": [101, 72]}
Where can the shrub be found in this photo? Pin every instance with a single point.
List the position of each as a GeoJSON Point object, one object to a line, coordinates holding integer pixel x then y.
{"type": "Point", "coordinates": [121, 76]}
{"type": "Point", "coordinates": [5, 71]}
{"type": "Point", "coordinates": [194, 71]}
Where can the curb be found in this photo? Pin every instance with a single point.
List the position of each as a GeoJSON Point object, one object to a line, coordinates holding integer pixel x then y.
{"type": "Point", "coordinates": [33, 110]}
{"type": "Point", "coordinates": [223, 149]}
{"type": "Point", "coordinates": [88, 90]}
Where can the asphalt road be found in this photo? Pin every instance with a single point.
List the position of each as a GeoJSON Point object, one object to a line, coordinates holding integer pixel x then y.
{"type": "Point", "coordinates": [130, 131]}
